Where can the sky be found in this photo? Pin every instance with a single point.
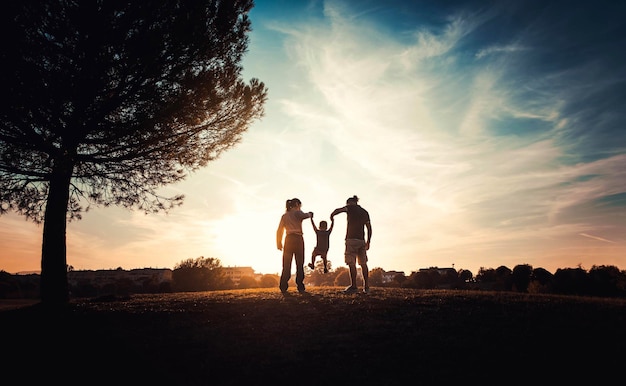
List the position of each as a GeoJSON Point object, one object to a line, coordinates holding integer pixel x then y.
{"type": "Point", "coordinates": [477, 134]}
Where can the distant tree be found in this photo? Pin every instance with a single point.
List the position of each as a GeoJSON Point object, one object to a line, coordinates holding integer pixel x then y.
{"type": "Point", "coordinates": [7, 285]}
{"type": "Point", "coordinates": [486, 275]}
{"type": "Point", "coordinates": [200, 274]}
{"type": "Point", "coordinates": [621, 283]}
{"type": "Point", "coordinates": [399, 280]}
{"type": "Point", "coordinates": [503, 279]}
{"type": "Point", "coordinates": [268, 281]}
{"type": "Point", "coordinates": [319, 266]}
{"type": "Point", "coordinates": [227, 283]}
{"type": "Point", "coordinates": [463, 279]}
{"type": "Point", "coordinates": [248, 282]}
{"type": "Point", "coordinates": [449, 279]}
{"type": "Point", "coordinates": [343, 277]}
{"type": "Point", "coordinates": [540, 281]}
{"type": "Point", "coordinates": [520, 276]}
{"type": "Point", "coordinates": [422, 280]}
{"type": "Point", "coordinates": [317, 277]}
{"type": "Point", "coordinates": [376, 277]}
{"type": "Point", "coordinates": [433, 277]}
{"type": "Point", "coordinates": [465, 275]}
{"type": "Point", "coordinates": [541, 275]}
{"type": "Point", "coordinates": [604, 280]}
{"type": "Point", "coordinates": [571, 281]}
{"type": "Point", "coordinates": [106, 102]}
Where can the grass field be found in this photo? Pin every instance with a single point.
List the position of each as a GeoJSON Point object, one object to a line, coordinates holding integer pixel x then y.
{"type": "Point", "coordinates": [323, 337]}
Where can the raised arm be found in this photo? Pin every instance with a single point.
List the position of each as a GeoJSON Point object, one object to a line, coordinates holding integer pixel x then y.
{"type": "Point", "coordinates": [332, 224]}
{"type": "Point", "coordinates": [313, 223]}
{"type": "Point", "coordinates": [337, 211]}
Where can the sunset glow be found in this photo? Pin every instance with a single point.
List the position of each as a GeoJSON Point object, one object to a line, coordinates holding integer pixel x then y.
{"type": "Point", "coordinates": [476, 135]}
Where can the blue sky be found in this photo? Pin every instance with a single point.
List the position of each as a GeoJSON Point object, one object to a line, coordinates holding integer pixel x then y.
{"type": "Point", "coordinates": [476, 133]}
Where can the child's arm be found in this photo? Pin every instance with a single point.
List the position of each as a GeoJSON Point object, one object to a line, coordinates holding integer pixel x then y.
{"type": "Point", "coordinates": [332, 223]}
{"type": "Point", "coordinates": [313, 223]}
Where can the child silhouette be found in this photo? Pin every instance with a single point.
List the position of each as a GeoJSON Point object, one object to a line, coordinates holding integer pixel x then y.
{"type": "Point", "coordinates": [323, 243]}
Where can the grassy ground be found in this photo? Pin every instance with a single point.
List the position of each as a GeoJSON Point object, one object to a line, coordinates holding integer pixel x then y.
{"type": "Point", "coordinates": [387, 337]}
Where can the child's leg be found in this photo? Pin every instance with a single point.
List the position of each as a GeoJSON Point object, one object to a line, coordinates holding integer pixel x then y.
{"type": "Point", "coordinates": [312, 264]}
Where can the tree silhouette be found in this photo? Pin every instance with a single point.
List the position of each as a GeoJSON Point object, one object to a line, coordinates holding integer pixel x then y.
{"type": "Point", "coordinates": [199, 274]}
{"type": "Point", "coordinates": [343, 277]}
{"type": "Point", "coordinates": [269, 281]}
{"type": "Point", "coordinates": [247, 281]}
{"type": "Point", "coordinates": [376, 277]}
{"type": "Point", "coordinates": [503, 278]}
{"type": "Point", "coordinates": [105, 102]}
{"type": "Point", "coordinates": [605, 280]}
{"type": "Point", "coordinates": [540, 281]}
{"type": "Point", "coordinates": [521, 276]}
{"type": "Point", "coordinates": [571, 281]}
{"type": "Point", "coordinates": [465, 275]}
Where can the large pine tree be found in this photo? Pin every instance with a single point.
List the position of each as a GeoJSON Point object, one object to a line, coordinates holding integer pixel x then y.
{"type": "Point", "coordinates": [106, 101]}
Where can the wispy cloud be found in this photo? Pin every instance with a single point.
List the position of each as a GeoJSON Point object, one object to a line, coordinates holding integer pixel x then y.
{"type": "Point", "coordinates": [483, 52]}
{"type": "Point", "coordinates": [597, 238]}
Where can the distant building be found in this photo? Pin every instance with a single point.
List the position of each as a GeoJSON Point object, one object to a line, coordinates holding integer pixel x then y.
{"type": "Point", "coordinates": [235, 273]}
{"type": "Point", "coordinates": [389, 275]}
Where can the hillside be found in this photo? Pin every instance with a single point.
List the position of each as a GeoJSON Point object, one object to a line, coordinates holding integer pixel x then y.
{"type": "Point", "coordinates": [322, 337]}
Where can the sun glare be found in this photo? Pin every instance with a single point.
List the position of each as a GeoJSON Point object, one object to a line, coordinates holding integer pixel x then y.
{"type": "Point", "coordinates": [247, 240]}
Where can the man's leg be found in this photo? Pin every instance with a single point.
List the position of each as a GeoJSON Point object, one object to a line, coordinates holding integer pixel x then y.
{"type": "Point", "coordinates": [352, 268]}
{"type": "Point", "coordinates": [362, 258]}
{"type": "Point", "coordinates": [350, 260]}
{"type": "Point", "coordinates": [365, 272]}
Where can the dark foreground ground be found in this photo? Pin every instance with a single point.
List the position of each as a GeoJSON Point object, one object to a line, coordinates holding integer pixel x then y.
{"type": "Point", "coordinates": [250, 337]}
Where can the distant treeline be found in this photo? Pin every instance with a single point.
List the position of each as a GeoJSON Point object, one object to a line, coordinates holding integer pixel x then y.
{"type": "Point", "coordinates": [205, 274]}
{"type": "Point", "coordinates": [601, 280]}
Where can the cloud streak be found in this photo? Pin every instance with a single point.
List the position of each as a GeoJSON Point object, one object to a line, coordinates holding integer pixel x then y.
{"type": "Point", "coordinates": [597, 238]}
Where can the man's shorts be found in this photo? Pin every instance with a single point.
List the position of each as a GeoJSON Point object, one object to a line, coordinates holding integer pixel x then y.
{"type": "Point", "coordinates": [355, 249]}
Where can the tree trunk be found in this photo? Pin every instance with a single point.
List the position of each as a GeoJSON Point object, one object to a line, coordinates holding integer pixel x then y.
{"type": "Point", "coordinates": [54, 286]}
